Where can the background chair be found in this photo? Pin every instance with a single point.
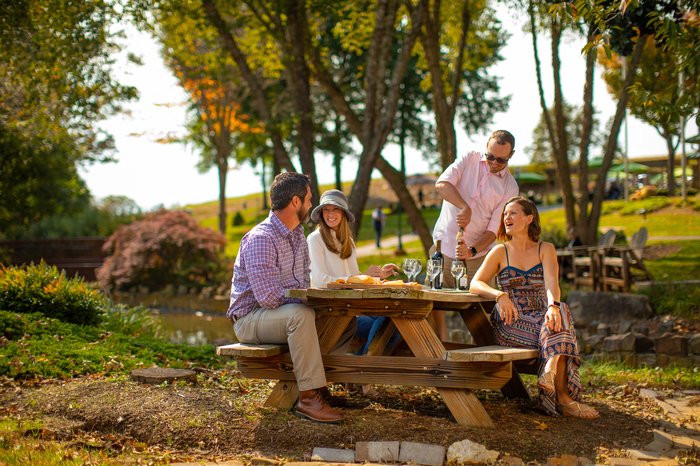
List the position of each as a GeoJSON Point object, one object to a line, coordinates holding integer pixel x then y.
{"type": "Point", "coordinates": [618, 267]}
{"type": "Point", "coordinates": [587, 261]}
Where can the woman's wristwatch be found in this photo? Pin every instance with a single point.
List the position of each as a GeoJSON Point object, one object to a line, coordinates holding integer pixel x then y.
{"type": "Point", "coordinates": [556, 304]}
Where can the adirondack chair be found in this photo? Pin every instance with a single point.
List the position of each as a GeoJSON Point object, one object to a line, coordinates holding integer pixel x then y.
{"type": "Point", "coordinates": [587, 262]}
{"type": "Point", "coordinates": [618, 267]}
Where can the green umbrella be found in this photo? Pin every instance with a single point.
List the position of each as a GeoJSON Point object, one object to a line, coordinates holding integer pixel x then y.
{"type": "Point", "coordinates": [529, 177]}
{"type": "Point", "coordinates": [595, 162]}
{"type": "Point", "coordinates": [632, 167]}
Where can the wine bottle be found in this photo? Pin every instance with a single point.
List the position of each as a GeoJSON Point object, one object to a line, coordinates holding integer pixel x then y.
{"type": "Point", "coordinates": [437, 283]}
{"type": "Point", "coordinates": [464, 279]}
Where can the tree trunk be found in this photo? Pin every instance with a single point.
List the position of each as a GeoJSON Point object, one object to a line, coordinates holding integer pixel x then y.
{"type": "Point", "coordinates": [298, 74]}
{"type": "Point", "coordinates": [586, 128]}
{"type": "Point", "coordinates": [444, 107]}
{"type": "Point", "coordinates": [222, 165]}
{"type": "Point", "coordinates": [611, 143]}
{"type": "Point", "coordinates": [560, 154]}
{"type": "Point", "coordinates": [670, 163]}
{"type": "Point", "coordinates": [257, 92]}
{"type": "Point", "coordinates": [415, 219]}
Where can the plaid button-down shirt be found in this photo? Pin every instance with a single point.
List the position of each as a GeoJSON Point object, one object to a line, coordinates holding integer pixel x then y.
{"type": "Point", "coordinates": [271, 259]}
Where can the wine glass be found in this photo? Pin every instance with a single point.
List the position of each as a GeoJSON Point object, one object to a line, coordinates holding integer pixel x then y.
{"type": "Point", "coordinates": [417, 267]}
{"type": "Point", "coordinates": [408, 268]}
{"type": "Point", "coordinates": [433, 271]}
{"type": "Point", "coordinates": [457, 271]}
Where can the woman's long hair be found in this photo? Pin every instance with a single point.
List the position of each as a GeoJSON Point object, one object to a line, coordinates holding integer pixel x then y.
{"type": "Point", "coordinates": [529, 208]}
{"type": "Point", "coordinates": [343, 235]}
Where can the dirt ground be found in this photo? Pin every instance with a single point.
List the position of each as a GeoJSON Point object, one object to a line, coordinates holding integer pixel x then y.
{"type": "Point", "coordinates": [222, 418]}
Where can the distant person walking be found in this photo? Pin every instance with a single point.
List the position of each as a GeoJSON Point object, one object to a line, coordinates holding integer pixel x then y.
{"type": "Point", "coordinates": [378, 218]}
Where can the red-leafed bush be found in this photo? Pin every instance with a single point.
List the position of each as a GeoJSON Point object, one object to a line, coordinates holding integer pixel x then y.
{"type": "Point", "coordinates": [164, 248]}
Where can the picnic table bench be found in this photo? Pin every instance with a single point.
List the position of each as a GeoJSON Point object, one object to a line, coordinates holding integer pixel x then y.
{"type": "Point", "coordinates": [454, 372]}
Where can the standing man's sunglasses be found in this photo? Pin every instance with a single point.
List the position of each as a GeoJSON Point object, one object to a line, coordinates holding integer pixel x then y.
{"type": "Point", "coordinates": [500, 160]}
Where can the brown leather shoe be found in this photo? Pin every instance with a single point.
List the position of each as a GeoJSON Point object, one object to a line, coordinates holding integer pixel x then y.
{"type": "Point", "coordinates": [311, 405]}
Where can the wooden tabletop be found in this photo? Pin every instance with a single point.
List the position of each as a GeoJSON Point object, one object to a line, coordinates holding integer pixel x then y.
{"type": "Point", "coordinates": [386, 292]}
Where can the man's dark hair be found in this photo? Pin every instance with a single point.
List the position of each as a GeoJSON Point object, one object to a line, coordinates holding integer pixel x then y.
{"type": "Point", "coordinates": [502, 136]}
{"type": "Point", "coordinates": [287, 185]}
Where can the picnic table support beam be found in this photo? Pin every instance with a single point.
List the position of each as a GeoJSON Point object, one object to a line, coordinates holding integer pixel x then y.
{"type": "Point", "coordinates": [478, 324]}
{"type": "Point", "coordinates": [423, 342]}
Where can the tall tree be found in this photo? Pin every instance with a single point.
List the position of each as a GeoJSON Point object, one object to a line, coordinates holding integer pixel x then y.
{"type": "Point", "coordinates": [655, 95]}
{"type": "Point", "coordinates": [541, 150]}
{"type": "Point", "coordinates": [217, 98]}
{"type": "Point", "coordinates": [620, 26]}
{"type": "Point", "coordinates": [250, 48]}
{"type": "Point", "coordinates": [460, 40]}
{"type": "Point", "coordinates": [55, 84]}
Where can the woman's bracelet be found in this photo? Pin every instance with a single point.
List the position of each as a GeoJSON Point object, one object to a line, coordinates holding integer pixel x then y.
{"type": "Point", "coordinates": [500, 293]}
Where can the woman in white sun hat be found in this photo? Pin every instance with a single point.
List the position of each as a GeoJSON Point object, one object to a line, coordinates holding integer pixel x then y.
{"type": "Point", "coordinates": [331, 245]}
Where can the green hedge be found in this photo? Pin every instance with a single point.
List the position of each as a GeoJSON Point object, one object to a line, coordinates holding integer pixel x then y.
{"type": "Point", "coordinates": [44, 289]}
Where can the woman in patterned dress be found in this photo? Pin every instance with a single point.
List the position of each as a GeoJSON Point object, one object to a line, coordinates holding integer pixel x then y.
{"type": "Point", "coordinates": [528, 312]}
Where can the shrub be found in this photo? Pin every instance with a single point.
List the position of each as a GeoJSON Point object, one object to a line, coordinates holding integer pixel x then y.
{"type": "Point", "coordinates": [164, 248]}
{"type": "Point", "coordinates": [42, 288]}
{"type": "Point", "coordinates": [678, 299]}
{"type": "Point", "coordinates": [238, 219]}
{"type": "Point", "coordinates": [647, 205]}
{"type": "Point", "coordinates": [554, 235]}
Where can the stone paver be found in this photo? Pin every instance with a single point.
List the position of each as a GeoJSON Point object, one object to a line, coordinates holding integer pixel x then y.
{"type": "Point", "coordinates": [383, 452]}
{"type": "Point", "coordinates": [422, 453]}
{"type": "Point", "coordinates": [333, 455]}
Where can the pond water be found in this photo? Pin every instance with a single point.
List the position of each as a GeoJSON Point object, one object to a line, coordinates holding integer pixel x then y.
{"type": "Point", "coordinates": [196, 328]}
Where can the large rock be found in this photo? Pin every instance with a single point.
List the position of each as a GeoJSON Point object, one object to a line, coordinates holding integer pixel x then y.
{"type": "Point", "coordinates": [672, 345]}
{"type": "Point", "coordinates": [618, 343]}
{"type": "Point", "coordinates": [468, 452]}
{"type": "Point", "coordinates": [694, 344]}
{"type": "Point", "coordinates": [588, 306]}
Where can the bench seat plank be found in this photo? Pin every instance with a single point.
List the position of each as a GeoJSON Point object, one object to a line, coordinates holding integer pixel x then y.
{"type": "Point", "coordinates": [492, 353]}
{"type": "Point", "coordinates": [250, 350]}
{"type": "Point", "coordinates": [387, 370]}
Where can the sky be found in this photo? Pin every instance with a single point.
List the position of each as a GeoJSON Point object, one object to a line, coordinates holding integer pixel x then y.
{"type": "Point", "coordinates": [155, 174]}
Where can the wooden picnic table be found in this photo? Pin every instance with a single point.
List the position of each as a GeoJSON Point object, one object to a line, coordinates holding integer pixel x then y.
{"type": "Point", "coordinates": [454, 372]}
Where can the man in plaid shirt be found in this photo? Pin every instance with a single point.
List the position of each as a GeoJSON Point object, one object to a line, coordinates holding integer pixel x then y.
{"type": "Point", "coordinates": [274, 257]}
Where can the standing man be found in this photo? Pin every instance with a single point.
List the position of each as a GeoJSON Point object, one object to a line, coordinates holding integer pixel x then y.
{"type": "Point", "coordinates": [475, 188]}
{"type": "Point", "coordinates": [274, 257]}
{"type": "Point", "coordinates": [378, 223]}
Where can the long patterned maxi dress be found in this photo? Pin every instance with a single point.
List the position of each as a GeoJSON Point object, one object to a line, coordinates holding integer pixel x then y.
{"type": "Point", "coordinates": [526, 289]}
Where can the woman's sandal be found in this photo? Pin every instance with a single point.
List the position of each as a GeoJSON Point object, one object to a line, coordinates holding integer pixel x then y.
{"type": "Point", "coordinates": [546, 381]}
{"type": "Point", "coordinates": [579, 410]}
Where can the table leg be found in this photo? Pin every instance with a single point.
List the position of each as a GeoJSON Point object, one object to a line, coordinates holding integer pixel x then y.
{"type": "Point", "coordinates": [284, 394]}
{"type": "Point", "coordinates": [462, 403]}
{"type": "Point", "coordinates": [479, 326]}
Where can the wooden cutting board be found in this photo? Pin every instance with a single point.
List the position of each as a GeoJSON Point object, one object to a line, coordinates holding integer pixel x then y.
{"type": "Point", "coordinates": [362, 286]}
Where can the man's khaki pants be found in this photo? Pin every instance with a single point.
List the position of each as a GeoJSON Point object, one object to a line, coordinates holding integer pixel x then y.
{"type": "Point", "coordinates": [290, 324]}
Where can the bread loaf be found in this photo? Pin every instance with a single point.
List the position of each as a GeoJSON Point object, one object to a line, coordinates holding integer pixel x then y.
{"type": "Point", "coordinates": [361, 279]}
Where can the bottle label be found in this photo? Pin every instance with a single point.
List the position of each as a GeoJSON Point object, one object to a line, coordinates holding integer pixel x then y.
{"type": "Point", "coordinates": [463, 282]}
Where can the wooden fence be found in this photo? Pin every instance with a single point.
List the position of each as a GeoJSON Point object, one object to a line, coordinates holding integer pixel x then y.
{"type": "Point", "coordinates": [77, 256]}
